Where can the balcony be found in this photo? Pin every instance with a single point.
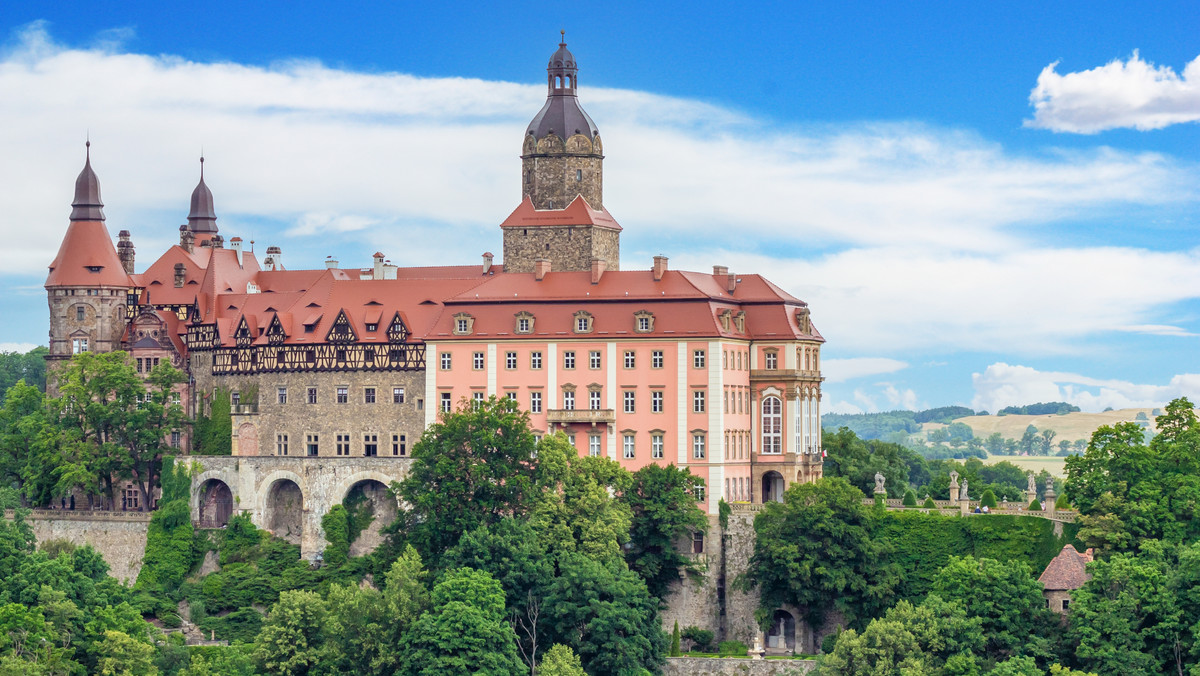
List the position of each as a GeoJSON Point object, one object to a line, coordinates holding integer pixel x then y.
{"type": "Point", "coordinates": [244, 409]}
{"type": "Point", "coordinates": [761, 375]}
{"type": "Point", "coordinates": [595, 416]}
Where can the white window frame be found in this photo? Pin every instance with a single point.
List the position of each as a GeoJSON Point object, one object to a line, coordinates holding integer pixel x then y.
{"type": "Point", "coordinates": [630, 401]}
{"type": "Point", "coordinates": [698, 359]}
{"type": "Point", "coordinates": [535, 402]}
{"type": "Point", "coordinates": [630, 446]}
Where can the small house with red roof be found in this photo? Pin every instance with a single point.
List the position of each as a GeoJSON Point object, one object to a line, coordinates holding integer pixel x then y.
{"type": "Point", "coordinates": [1064, 574]}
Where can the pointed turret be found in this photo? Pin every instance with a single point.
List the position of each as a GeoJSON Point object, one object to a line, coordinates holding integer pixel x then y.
{"type": "Point", "coordinates": [87, 256]}
{"type": "Point", "coordinates": [202, 219]}
{"type": "Point", "coordinates": [87, 205]}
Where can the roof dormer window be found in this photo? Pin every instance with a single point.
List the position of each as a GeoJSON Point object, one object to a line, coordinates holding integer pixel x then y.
{"type": "Point", "coordinates": [524, 322]}
{"type": "Point", "coordinates": [583, 322]}
{"type": "Point", "coordinates": [643, 321]}
{"type": "Point", "coordinates": [94, 268]}
{"type": "Point", "coordinates": [464, 324]}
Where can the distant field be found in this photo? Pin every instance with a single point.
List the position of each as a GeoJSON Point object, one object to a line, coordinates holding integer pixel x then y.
{"type": "Point", "coordinates": [1071, 426]}
{"type": "Point", "coordinates": [1035, 464]}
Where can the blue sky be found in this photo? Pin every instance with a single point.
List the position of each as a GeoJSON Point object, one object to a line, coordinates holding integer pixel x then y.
{"type": "Point", "coordinates": [984, 205]}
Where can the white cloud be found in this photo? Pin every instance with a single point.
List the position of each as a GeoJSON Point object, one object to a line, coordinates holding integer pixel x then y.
{"type": "Point", "coordinates": [841, 370]}
{"type": "Point", "coordinates": [16, 347]}
{"type": "Point", "coordinates": [901, 399]}
{"type": "Point", "coordinates": [1131, 93]}
{"type": "Point", "coordinates": [1003, 385]}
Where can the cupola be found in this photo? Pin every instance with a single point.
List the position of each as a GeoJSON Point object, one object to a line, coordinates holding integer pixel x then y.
{"type": "Point", "coordinates": [202, 218]}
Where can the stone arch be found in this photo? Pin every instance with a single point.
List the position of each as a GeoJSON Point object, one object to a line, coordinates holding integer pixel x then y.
{"type": "Point", "coordinates": [215, 504]}
{"type": "Point", "coordinates": [782, 634]}
{"type": "Point", "coordinates": [772, 487]}
{"type": "Point", "coordinates": [202, 480]}
{"type": "Point", "coordinates": [281, 505]}
{"type": "Point", "coordinates": [369, 489]}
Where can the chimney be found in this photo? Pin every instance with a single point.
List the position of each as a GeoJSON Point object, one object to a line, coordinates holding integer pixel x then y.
{"type": "Point", "coordinates": [731, 283]}
{"type": "Point", "coordinates": [217, 242]}
{"type": "Point", "coordinates": [599, 265]}
{"type": "Point", "coordinates": [487, 262]}
{"type": "Point", "coordinates": [274, 259]}
{"type": "Point", "coordinates": [719, 270]}
{"type": "Point", "coordinates": [331, 263]}
{"type": "Point", "coordinates": [187, 241]}
{"type": "Point", "coordinates": [540, 267]}
{"type": "Point", "coordinates": [179, 272]}
{"type": "Point", "coordinates": [377, 268]}
{"type": "Point", "coordinates": [125, 251]}
{"type": "Point", "coordinates": [236, 244]}
{"type": "Point", "coordinates": [660, 267]}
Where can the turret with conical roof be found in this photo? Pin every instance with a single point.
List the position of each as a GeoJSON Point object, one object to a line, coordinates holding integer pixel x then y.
{"type": "Point", "coordinates": [202, 219]}
{"type": "Point", "coordinates": [562, 156]}
{"type": "Point", "coordinates": [88, 281]}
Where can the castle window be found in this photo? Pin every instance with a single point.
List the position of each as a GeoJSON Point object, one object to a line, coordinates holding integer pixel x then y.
{"type": "Point", "coordinates": [343, 395]}
{"type": "Point", "coordinates": [594, 445]}
{"type": "Point", "coordinates": [461, 326]}
{"type": "Point", "coordinates": [772, 426]}
{"type": "Point", "coordinates": [464, 324]}
{"type": "Point", "coordinates": [281, 395]}
{"type": "Point", "coordinates": [771, 360]}
{"type": "Point", "coordinates": [656, 359]}
{"type": "Point", "coordinates": [698, 401]}
{"type": "Point", "coordinates": [578, 174]}
{"type": "Point", "coordinates": [79, 345]}
{"type": "Point", "coordinates": [630, 447]}
{"type": "Point", "coordinates": [477, 361]}
{"type": "Point", "coordinates": [583, 322]}
{"type": "Point", "coordinates": [630, 401]}
{"type": "Point", "coordinates": [372, 327]}
{"type": "Point", "coordinates": [510, 360]}
{"type": "Point", "coordinates": [343, 444]}
{"type": "Point", "coordinates": [569, 359]}
{"type": "Point", "coordinates": [80, 311]}
{"type": "Point", "coordinates": [370, 445]}
{"type": "Point", "coordinates": [630, 359]}
{"type": "Point", "coordinates": [535, 360]}
{"type": "Point", "coordinates": [281, 444]}
{"type": "Point", "coordinates": [535, 402]}
{"type": "Point", "coordinates": [398, 445]}
{"type": "Point", "coordinates": [594, 400]}
{"type": "Point", "coordinates": [656, 446]}
{"type": "Point", "coordinates": [476, 400]}
{"type": "Point", "coordinates": [369, 395]}
{"type": "Point", "coordinates": [445, 360]}
{"type": "Point", "coordinates": [524, 322]}
{"type": "Point", "coordinates": [643, 322]}
{"type": "Point", "coordinates": [312, 395]}
{"type": "Point", "coordinates": [656, 401]}
{"type": "Point", "coordinates": [594, 359]}
{"type": "Point", "coordinates": [698, 359]}
{"type": "Point", "coordinates": [698, 542]}
{"type": "Point", "coordinates": [511, 396]}
{"type": "Point", "coordinates": [698, 445]}
{"type": "Point", "coordinates": [313, 446]}
{"type": "Point", "coordinates": [568, 401]}
{"type": "Point", "coordinates": [447, 402]}
{"type": "Point", "coordinates": [397, 395]}
{"type": "Point", "coordinates": [175, 439]}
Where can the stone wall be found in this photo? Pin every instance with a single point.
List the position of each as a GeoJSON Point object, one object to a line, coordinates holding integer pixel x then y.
{"type": "Point", "coordinates": [712, 666]}
{"type": "Point", "coordinates": [567, 247]}
{"type": "Point", "coordinates": [120, 537]}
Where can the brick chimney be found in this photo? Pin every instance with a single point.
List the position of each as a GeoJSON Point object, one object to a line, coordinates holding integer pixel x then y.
{"type": "Point", "coordinates": [719, 270]}
{"type": "Point", "coordinates": [125, 251]}
{"type": "Point", "coordinates": [540, 267]}
{"type": "Point", "coordinates": [217, 242]}
{"type": "Point", "coordinates": [187, 240]}
{"type": "Point", "coordinates": [660, 267]}
{"type": "Point", "coordinates": [179, 273]}
{"type": "Point", "coordinates": [731, 283]}
{"type": "Point", "coordinates": [599, 265]}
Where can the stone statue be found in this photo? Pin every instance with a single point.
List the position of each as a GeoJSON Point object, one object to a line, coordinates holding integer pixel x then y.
{"type": "Point", "coordinates": [1032, 486]}
{"type": "Point", "coordinates": [1049, 485]}
{"type": "Point", "coordinates": [953, 478]}
{"type": "Point", "coordinates": [879, 480]}
{"type": "Point", "coordinates": [962, 494]}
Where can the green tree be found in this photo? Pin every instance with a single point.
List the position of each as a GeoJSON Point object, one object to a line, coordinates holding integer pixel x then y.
{"type": "Point", "coordinates": [472, 468]}
{"type": "Point", "coordinates": [933, 638]}
{"type": "Point", "coordinates": [358, 635]}
{"type": "Point", "coordinates": [1029, 440]}
{"type": "Point", "coordinates": [988, 499]}
{"type": "Point", "coordinates": [29, 444]}
{"type": "Point", "coordinates": [676, 638]}
{"type": "Point", "coordinates": [214, 428]}
{"type": "Point", "coordinates": [910, 498]}
{"type": "Point", "coordinates": [815, 550]}
{"type": "Point", "coordinates": [1047, 441]}
{"type": "Point", "coordinates": [29, 367]}
{"type": "Point", "coordinates": [858, 461]}
{"type": "Point", "coordinates": [560, 660]}
{"type": "Point", "coordinates": [664, 514]}
{"type": "Point", "coordinates": [464, 632]}
{"type": "Point", "coordinates": [994, 443]}
{"type": "Point", "coordinates": [292, 639]}
{"type": "Point", "coordinates": [122, 655]}
{"type": "Point", "coordinates": [574, 509]}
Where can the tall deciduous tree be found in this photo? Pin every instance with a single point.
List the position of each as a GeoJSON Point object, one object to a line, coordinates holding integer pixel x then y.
{"type": "Point", "coordinates": [932, 638]}
{"type": "Point", "coordinates": [292, 639]}
{"type": "Point", "coordinates": [664, 515]}
{"type": "Point", "coordinates": [472, 468]}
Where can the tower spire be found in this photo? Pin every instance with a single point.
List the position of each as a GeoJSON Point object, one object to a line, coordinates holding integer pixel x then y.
{"type": "Point", "coordinates": [87, 205]}
{"type": "Point", "coordinates": [202, 219]}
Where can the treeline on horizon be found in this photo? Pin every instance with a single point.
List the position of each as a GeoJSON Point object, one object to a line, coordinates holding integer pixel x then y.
{"type": "Point", "coordinates": [886, 424]}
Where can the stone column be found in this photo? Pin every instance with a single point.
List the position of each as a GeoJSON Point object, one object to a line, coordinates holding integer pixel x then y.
{"type": "Point", "coordinates": [1050, 496]}
{"type": "Point", "coordinates": [953, 488]}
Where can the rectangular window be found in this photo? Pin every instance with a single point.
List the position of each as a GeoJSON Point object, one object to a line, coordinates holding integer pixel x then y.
{"type": "Point", "coordinates": [698, 401]}
{"type": "Point", "coordinates": [569, 359]}
{"type": "Point", "coordinates": [698, 359]}
{"type": "Point", "coordinates": [535, 360]}
{"type": "Point", "coordinates": [535, 402]}
{"type": "Point", "coordinates": [176, 398]}
{"type": "Point", "coordinates": [477, 400]}
{"type": "Point", "coordinates": [581, 324]}
{"type": "Point", "coordinates": [698, 446]}
{"type": "Point", "coordinates": [343, 395]}
{"type": "Point", "coordinates": [461, 325]}
{"type": "Point", "coordinates": [594, 445]}
{"type": "Point", "coordinates": [281, 394]}
{"type": "Point", "coordinates": [594, 400]}
{"type": "Point", "coordinates": [343, 444]}
{"type": "Point", "coordinates": [79, 314]}
{"type": "Point", "coordinates": [656, 359]}
{"type": "Point", "coordinates": [571, 440]}
{"type": "Point", "coordinates": [511, 396]}
{"type": "Point", "coordinates": [510, 360]}
{"type": "Point", "coordinates": [523, 325]}
{"type": "Point", "coordinates": [312, 444]}
{"type": "Point", "coordinates": [698, 491]}
{"type": "Point", "coordinates": [175, 439]}
{"type": "Point", "coordinates": [630, 447]}
{"type": "Point", "coordinates": [656, 446]}
{"type": "Point", "coordinates": [568, 400]}
{"type": "Point", "coordinates": [235, 398]}
{"type": "Point", "coordinates": [397, 395]}
{"type": "Point", "coordinates": [399, 447]}
{"type": "Point", "coordinates": [420, 404]}
{"type": "Point", "coordinates": [727, 401]}
{"type": "Point", "coordinates": [79, 345]}
{"type": "Point", "coordinates": [281, 444]}
{"type": "Point", "coordinates": [594, 359]}
{"type": "Point", "coordinates": [311, 395]}
{"type": "Point", "coordinates": [369, 395]}
{"type": "Point", "coordinates": [445, 361]}
{"type": "Point", "coordinates": [771, 360]}
{"type": "Point", "coordinates": [630, 359]}
{"type": "Point", "coordinates": [697, 543]}
{"type": "Point", "coordinates": [446, 402]}
{"type": "Point", "coordinates": [139, 365]}
{"type": "Point", "coordinates": [477, 362]}
{"type": "Point", "coordinates": [656, 401]}
{"type": "Point", "coordinates": [643, 324]}
{"type": "Point", "coordinates": [630, 398]}
{"type": "Point", "coordinates": [370, 445]}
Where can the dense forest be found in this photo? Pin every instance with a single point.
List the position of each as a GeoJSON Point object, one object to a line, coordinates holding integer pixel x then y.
{"type": "Point", "coordinates": [515, 556]}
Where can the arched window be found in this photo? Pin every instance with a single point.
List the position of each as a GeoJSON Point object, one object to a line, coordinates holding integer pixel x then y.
{"type": "Point", "coordinates": [772, 425]}
{"type": "Point", "coordinates": [557, 82]}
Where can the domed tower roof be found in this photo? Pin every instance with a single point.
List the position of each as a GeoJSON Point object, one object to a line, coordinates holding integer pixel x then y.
{"type": "Point", "coordinates": [202, 218]}
{"type": "Point", "coordinates": [562, 113]}
{"type": "Point", "coordinates": [87, 205]}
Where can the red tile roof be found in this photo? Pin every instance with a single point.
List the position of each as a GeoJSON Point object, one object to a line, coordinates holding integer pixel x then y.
{"type": "Point", "coordinates": [578, 212]}
{"type": "Point", "coordinates": [1067, 571]}
{"type": "Point", "coordinates": [87, 257]}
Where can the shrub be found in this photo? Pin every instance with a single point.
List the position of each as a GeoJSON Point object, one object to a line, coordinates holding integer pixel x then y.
{"type": "Point", "coordinates": [1035, 506]}
{"type": "Point", "coordinates": [830, 640]}
{"type": "Point", "coordinates": [171, 620]}
{"type": "Point", "coordinates": [1062, 502]}
{"type": "Point", "coordinates": [701, 639]}
{"type": "Point", "coordinates": [910, 498]}
{"type": "Point", "coordinates": [988, 499]}
{"type": "Point", "coordinates": [929, 503]}
{"type": "Point", "coordinates": [675, 652]}
{"type": "Point", "coordinates": [733, 649]}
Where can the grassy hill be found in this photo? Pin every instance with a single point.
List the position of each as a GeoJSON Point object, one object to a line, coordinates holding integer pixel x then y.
{"type": "Point", "coordinates": [1070, 426]}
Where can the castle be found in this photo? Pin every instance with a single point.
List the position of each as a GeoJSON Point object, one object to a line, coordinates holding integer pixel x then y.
{"type": "Point", "coordinates": [336, 371]}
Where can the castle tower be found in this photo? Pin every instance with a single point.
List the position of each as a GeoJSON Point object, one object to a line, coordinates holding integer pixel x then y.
{"type": "Point", "coordinates": [202, 218]}
{"type": "Point", "coordinates": [88, 281]}
{"type": "Point", "coordinates": [562, 161]}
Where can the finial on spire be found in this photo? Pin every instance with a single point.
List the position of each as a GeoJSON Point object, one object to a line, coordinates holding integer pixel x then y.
{"type": "Point", "coordinates": [563, 34]}
{"type": "Point", "coordinates": [202, 164]}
